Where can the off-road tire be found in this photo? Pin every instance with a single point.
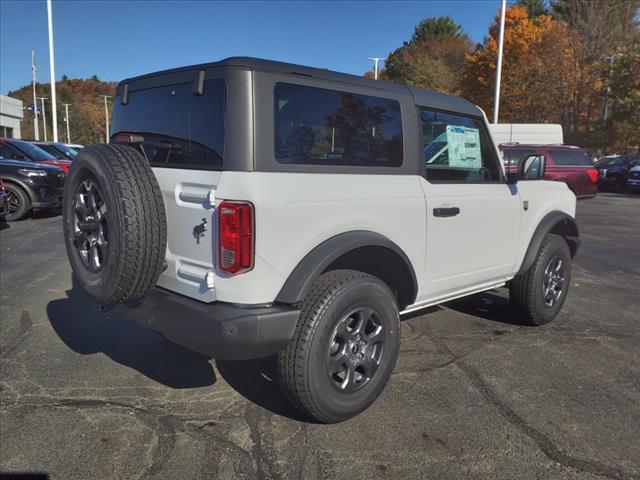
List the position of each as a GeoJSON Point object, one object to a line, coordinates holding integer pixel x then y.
{"type": "Point", "coordinates": [301, 366]}
{"type": "Point", "coordinates": [24, 206]}
{"type": "Point", "coordinates": [136, 223]}
{"type": "Point", "coordinates": [526, 291]}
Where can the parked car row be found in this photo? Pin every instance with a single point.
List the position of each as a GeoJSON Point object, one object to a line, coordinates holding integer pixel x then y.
{"type": "Point", "coordinates": [615, 172]}
{"type": "Point", "coordinates": [32, 176]}
{"type": "Point", "coordinates": [564, 163]}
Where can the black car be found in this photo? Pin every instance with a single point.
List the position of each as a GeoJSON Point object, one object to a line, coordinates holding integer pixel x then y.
{"type": "Point", "coordinates": [30, 186]}
{"type": "Point", "coordinates": [613, 171]}
{"type": "Point", "coordinates": [58, 150]}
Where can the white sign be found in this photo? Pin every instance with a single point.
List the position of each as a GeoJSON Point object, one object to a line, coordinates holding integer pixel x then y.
{"type": "Point", "coordinates": [464, 147]}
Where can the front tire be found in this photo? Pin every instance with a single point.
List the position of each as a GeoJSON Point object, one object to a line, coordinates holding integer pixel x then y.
{"type": "Point", "coordinates": [18, 203]}
{"type": "Point", "coordinates": [344, 347]}
{"type": "Point", "coordinates": [538, 294]}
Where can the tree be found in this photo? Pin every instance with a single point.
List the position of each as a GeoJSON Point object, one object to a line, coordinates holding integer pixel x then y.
{"type": "Point", "coordinates": [623, 124]}
{"type": "Point", "coordinates": [86, 110]}
{"type": "Point", "coordinates": [604, 26]}
{"type": "Point", "coordinates": [534, 8]}
{"type": "Point", "coordinates": [433, 58]}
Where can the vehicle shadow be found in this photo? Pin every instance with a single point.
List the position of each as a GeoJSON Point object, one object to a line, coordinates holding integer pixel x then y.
{"type": "Point", "coordinates": [490, 305]}
{"type": "Point", "coordinates": [50, 213]}
{"type": "Point", "coordinates": [80, 324]}
{"type": "Point", "coordinates": [257, 381]}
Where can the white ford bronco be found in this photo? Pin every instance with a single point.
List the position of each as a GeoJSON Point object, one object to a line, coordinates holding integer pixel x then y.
{"type": "Point", "coordinates": [248, 208]}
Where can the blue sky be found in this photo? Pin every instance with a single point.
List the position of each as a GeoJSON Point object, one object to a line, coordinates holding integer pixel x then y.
{"type": "Point", "coordinates": [118, 39]}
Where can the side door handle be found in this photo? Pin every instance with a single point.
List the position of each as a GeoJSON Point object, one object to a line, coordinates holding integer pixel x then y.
{"type": "Point", "coordinates": [446, 211]}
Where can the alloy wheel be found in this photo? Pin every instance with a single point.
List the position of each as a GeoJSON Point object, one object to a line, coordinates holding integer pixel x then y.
{"type": "Point", "coordinates": [13, 202]}
{"type": "Point", "coordinates": [553, 281]}
{"type": "Point", "coordinates": [355, 349]}
{"type": "Point", "coordinates": [90, 225]}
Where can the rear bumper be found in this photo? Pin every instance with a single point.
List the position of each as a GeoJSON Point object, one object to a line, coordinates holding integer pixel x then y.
{"type": "Point", "coordinates": [219, 330]}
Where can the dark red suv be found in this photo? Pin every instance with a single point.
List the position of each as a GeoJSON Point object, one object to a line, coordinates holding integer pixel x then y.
{"type": "Point", "coordinates": [564, 163]}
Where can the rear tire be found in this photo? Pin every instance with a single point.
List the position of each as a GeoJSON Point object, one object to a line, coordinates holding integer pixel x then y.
{"type": "Point", "coordinates": [538, 294]}
{"type": "Point", "coordinates": [114, 223]}
{"type": "Point", "coordinates": [18, 203]}
{"type": "Point", "coordinates": [344, 347]}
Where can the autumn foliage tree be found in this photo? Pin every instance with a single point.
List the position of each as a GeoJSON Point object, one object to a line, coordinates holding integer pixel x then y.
{"type": "Point", "coordinates": [540, 78]}
{"type": "Point", "coordinates": [563, 61]}
{"type": "Point", "coordinates": [433, 58]}
{"type": "Point", "coordinates": [86, 110]}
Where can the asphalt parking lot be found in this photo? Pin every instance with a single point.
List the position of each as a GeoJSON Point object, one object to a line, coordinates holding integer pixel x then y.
{"type": "Point", "coordinates": [474, 394]}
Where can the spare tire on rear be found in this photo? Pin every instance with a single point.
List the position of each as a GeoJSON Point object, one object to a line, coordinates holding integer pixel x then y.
{"type": "Point", "coordinates": [114, 223]}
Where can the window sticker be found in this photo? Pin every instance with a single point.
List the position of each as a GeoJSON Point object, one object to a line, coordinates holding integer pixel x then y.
{"type": "Point", "coordinates": [464, 147]}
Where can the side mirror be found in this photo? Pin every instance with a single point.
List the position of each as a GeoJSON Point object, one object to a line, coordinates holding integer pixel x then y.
{"type": "Point", "coordinates": [532, 167]}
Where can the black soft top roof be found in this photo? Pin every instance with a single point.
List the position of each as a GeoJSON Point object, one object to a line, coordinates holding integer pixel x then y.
{"type": "Point", "coordinates": [422, 96]}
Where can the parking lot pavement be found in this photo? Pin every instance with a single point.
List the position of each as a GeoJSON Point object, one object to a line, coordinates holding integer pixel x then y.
{"type": "Point", "coordinates": [474, 394]}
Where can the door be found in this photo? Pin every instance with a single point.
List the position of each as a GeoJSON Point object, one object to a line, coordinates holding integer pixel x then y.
{"type": "Point", "coordinates": [181, 134]}
{"type": "Point", "coordinates": [473, 216]}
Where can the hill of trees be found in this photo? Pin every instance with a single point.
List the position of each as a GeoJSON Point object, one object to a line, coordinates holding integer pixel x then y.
{"type": "Point", "coordinates": [86, 109]}
{"type": "Point", "coordinates": [563, 62]}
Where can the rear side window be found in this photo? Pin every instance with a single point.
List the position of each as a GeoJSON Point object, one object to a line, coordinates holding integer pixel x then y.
{"type": "Point", "coordinates": [314, 126]}
{"type": "Point", "coordinates": [178, 128]}
{"type": "Point", "coordinates": [571, 157]}
{"type": "Point", "coordinates": [457, 149]}
{"type": "Point", "coordinates": [515, 156]}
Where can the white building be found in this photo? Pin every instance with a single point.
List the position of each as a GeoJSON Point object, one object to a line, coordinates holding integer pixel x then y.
{"type": "Point", "coordinates": [10, 116]}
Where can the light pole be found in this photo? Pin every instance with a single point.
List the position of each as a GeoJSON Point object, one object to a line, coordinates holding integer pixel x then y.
{"type": "Point", "coordinates": [66, 119]}
{"type": "Point", "coordinates": [34, 74]}
{"type": "Point", "coordinates": [106, 117]}
{"type": "Point", "coordinates": [44, 117]}
{"type": "Point", "coordinates": [375, 61]}
{"type": "Point", "coordinates": [496, 102]}
{"type": "Point", "coordinates": [53, 74]}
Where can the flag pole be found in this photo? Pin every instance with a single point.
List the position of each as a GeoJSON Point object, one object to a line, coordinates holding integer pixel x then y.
{"type": "Point", "coordinates": [496, 101]}
{"type": "Point", "coordinates": [53, 74]}
{"type": "Point", "coordinates": [36, 132]}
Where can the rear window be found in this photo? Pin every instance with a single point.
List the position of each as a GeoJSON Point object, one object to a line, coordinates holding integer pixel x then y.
{"type": "Point", "coordinates": [314, 126]}
{"type": "Point", "coordinates": [179, 129]}
{"type": "Point", "coordinates": [571, 157]}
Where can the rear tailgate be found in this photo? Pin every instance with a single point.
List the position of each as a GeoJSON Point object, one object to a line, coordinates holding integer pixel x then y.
{"type": "Point", "coordinates": [181, 134]}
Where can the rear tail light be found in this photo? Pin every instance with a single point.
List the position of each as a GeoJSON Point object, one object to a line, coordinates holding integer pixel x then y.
{"type": "Point", "coordinates": [593, 174]}
{"type": "Point", "coordinates": [236, 236]}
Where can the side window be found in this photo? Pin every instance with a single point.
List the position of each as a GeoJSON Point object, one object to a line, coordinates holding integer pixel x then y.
{"type": "Point", "coordinates": [457, 148]}
{"type": "Point", "coordinates": [314, 126]}
{"type": "Point", "coordinates": [518, 155]}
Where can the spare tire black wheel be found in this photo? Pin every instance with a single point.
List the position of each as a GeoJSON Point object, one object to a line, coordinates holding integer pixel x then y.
{"type": "Point", "coordinates": [114, 223]}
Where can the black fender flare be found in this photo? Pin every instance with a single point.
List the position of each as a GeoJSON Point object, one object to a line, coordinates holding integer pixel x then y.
{"type": "Point", "coordinates": [556, 222]}
{"type": "Point", "coordinates": [22, 184]}
{"type": "Point", "coordinates": [317, 260]}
